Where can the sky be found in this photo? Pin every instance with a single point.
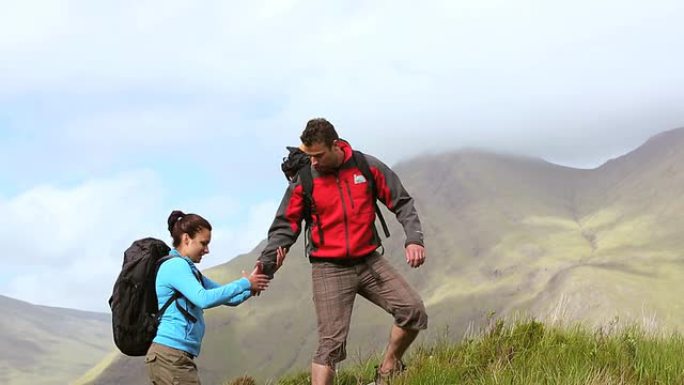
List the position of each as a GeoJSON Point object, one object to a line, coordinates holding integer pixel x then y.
{"type": "Point", "coordinates": [115, 113]}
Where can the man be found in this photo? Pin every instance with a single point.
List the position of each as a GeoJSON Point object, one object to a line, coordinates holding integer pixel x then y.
{"type": "Point", "coordinates": [342, 244]}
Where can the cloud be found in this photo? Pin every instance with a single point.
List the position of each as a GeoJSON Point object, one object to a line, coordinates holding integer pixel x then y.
{"type": "Point", "coordinates": [66, 242]}
{"type": "Point", "coordinates": [64, 245]}
{"type": "Point", "coordinates": [446, 75]}
{"type": "Point", "coordinates": [48, 220]}
{"type": "Point", "coordinates": [207, 96]}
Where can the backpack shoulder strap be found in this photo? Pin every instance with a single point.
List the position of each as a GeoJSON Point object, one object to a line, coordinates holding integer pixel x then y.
{"type": "Point", "coordinates": [306, 180]}
{"type": "Point", "coordinates": [177, 294]}
{"type": "Point", "coordinates": [198, 275]}
{"type": "Point", "coordinates": [309, 208]}
{"type": "Point", "coordinates": [186, 314]}
{"type": "Point", "coordinates": [362, 164]}
{"type": "Point", "coordinates": [174, 297]}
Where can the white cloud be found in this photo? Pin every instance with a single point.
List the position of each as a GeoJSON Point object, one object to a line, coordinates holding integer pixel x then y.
{"type": "Point", "coordinates": [443, 74]}
{"type": "Point", "coordinates": [28, 23]}
{"type": "Point", "coordinates": [46, 222]}
{"type": "Point", "coordinates": [67, 243]}
{"type": "Point", "coordinates": [214, 91]}
{"type": "Point", "coordinates": [64, 246]}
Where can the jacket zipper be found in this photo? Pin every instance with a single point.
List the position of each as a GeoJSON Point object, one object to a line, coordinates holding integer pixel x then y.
{"type": "Point", "coordinates": [344, 211]}
{"type": "Point", "coordinates": [346, 182]}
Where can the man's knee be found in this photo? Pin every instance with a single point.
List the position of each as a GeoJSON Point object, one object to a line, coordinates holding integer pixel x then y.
{"type": "Point", "coordinates": [330, 352]}
{"type": "Point", "coordinates": [412, 317]}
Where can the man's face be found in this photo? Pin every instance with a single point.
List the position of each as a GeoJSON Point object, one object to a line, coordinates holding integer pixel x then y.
{"type": "Point", "coordinates": [323, 158]}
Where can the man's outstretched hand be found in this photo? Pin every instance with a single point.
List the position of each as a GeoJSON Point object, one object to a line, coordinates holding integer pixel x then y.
{"type": "Point", "coordinates": [415, 255]}
{"type": "Point", "coordinates": [257, 279]}
{"type": "Point", "coordinates": [281, 252]}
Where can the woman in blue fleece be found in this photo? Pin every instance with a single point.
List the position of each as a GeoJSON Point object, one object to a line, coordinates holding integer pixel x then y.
{"type": "Point", "coordinates": [179, 336]}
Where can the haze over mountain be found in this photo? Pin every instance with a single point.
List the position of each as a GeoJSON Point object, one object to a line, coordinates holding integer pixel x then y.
{"type": "Point", "coordinates": [47, 345]}
{"type": "Point", "coordinates": [504, 234]}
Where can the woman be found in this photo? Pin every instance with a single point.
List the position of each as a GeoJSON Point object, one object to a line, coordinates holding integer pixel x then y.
{"type": "Point", "coordinates": [179, 336]}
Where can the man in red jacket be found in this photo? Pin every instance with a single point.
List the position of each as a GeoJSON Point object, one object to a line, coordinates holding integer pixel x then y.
{"type": "Point", "coordinates": [342, 244]}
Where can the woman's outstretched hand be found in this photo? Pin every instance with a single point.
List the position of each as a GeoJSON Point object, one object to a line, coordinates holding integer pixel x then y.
{"type": "Point", "coordinates": [257, 279]}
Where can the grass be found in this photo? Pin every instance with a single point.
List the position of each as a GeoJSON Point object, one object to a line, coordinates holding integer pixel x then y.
{"type": "Point", "coordinates": [530, 352]}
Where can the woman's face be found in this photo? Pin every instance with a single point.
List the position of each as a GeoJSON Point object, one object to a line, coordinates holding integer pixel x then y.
{"type": "Point", "coordinates": [195, 248]}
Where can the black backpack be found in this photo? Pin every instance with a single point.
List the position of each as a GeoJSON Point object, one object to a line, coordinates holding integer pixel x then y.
{"type": "Point", "coordinates": [135, 315]}
{"type": "Point", "coordinates": [298, 164]}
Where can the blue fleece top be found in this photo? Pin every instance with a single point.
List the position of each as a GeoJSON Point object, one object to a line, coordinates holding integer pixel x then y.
{"type": "Point", "coordinates": [177, 274]}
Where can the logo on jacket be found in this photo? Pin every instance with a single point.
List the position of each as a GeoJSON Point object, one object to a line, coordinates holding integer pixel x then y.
{"type": "Point", "coordinates": [358, 179]}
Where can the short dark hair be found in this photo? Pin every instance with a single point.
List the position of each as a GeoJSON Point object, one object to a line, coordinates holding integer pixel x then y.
{"type": "Point", "coordinates": [319, 130]}
{"type": "Point", "coordinates": [181, 223]}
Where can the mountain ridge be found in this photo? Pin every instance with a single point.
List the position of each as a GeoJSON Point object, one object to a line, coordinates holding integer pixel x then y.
{"type": "Point", "coordinates": [504, 234]}
{"type": "Point", "coordinates": [49, 345]}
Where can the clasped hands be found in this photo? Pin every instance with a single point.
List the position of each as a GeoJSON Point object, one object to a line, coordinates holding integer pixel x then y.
{"type": "Point", "coordinates": [258, 280]}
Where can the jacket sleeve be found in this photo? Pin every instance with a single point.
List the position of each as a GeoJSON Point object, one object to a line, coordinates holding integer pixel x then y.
{"type": "Point", "coordinates": [235, 300]}
{"type": "Point", "coordinates": [285, 228]}
{"type": "Point", "coordinates": [209, 284]}
{"type": "Point", "coordinates": [239, 298]}
{"type": "Point", "coordinates": [177, 274]}
{"type": "Point", "coordinates": [393, 195]}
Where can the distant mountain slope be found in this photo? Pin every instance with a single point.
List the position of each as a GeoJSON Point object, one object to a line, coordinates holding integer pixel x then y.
{"type": "Point", "coordinates": [50, 346]}
{"type": "Point", "coordinates": [504, 234]}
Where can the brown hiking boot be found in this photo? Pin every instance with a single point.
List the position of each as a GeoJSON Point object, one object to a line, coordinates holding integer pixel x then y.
{"type": "Point", "coordinates": [386, 378]}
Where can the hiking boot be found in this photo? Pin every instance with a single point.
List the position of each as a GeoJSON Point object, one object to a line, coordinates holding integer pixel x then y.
{"type": "Point", "coordinates": [386, 378]}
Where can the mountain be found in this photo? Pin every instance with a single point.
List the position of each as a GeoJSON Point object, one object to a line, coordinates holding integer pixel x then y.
{"type": "Point", "coordinates": [47, 345]}
{"type": "Point", "coordinates": [504, 234]}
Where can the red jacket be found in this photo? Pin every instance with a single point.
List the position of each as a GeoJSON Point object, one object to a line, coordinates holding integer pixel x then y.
{"type": "Point", "coordinates": [345, 207]}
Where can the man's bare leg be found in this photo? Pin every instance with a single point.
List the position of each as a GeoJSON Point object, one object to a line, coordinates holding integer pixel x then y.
{"type": "Point", "coordinates": [400, 340]}
{"type": "Point", "coordinates": [321, 374]}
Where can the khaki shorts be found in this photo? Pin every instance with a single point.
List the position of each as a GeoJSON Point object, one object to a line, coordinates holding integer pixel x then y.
{"type": "Point", "coordinates": [169, 366]}
{"type": "Point", "coordinates": [334, 289]}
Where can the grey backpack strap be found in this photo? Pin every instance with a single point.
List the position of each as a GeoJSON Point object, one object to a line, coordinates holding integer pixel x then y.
{"type": "Point", "coordinates": [363, 166]}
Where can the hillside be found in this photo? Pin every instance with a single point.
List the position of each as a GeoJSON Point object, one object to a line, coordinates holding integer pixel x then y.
{"type": "Point", "coordinates": [504, 234]}
{"type": "Point", "coordinates": [42, 345]}
{"type": "Point", "coordinates": [530, 352]}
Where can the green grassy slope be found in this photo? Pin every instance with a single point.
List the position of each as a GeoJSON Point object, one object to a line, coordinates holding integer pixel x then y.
{"type": "Point", "coordinates": [530, 352]}
{"type": "Point", "coordinates": [504, 234]}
